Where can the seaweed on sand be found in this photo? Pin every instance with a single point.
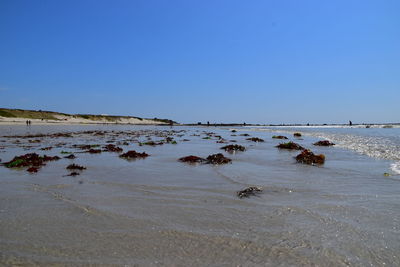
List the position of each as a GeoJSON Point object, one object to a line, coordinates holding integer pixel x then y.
{"type": "Point", "coordinates": [255, 139]}
{"type": "Point", "coordinates": [75, 167]}
{"type": "Point", "coordinates": [112, 148]}
{"type": "Point", "coordinates": [192, 159]}
{"type": "Point", "coordinates": [233, 148]}
{"type": "Point", "coordinates": [218, 159]}
{"type": "Point", "coordinates": [290, 145]}
{"type": "Point", "coordinates": [279, 137]}
{"type": "Point", "coordinates": [29, 160]}
{"type": "Point", "coordinates": [71, 156]}
{"type": "Point", "coordinates": [249, 191]}
{"type": "Point", "coordinates": [132, 154]}
{"type": "Point", "coordinates": [93, 151]}
{"type": "Point", "coordinates": [308, 157]}
{"type": "Point", "coordinates": [324, 143]}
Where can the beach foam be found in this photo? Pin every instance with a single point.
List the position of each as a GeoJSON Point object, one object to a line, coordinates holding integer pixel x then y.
{"type": "Point", "coordinates": [395, 167]}
{"type": "Point", "coordinates": [376, 146]}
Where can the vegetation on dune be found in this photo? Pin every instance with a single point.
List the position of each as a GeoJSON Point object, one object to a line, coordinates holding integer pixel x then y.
{"type": "Point", "coordinates": [28, 114]}
{"type": "Point", "coordinates": [50, 115]}
{"type": "Point", "coordinates": [6, 114]}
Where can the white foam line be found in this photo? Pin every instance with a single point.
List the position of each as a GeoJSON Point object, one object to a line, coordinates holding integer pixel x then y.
{"type": "Point", "coordinates": [395, 167]}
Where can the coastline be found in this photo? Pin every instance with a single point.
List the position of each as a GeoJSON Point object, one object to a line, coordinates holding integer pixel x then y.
{"type": "Point", "coordinates": [77, 121]}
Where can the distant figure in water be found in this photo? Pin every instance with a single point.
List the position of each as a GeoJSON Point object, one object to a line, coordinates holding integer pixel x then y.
{"type": "Point", "coordinates": [244, 124]}
{"type": "Point", "coordinates": [350, 123]}
{"type": "Point", "coordinates": [208, 123]}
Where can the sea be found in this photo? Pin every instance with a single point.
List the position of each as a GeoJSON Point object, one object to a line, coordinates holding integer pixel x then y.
{"type": "Point", "coordinates": [159, 211]}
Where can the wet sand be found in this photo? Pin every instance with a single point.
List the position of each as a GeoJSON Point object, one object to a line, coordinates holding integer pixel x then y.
{"type": "Point", "coordinates": [159, 211]}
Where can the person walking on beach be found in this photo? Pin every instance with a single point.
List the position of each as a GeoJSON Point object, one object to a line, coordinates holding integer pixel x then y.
{"type": "Point", "coordinates": [27, 123]}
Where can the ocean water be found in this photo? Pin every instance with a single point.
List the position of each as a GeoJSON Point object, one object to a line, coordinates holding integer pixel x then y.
{"type": "Point", "coordinates": [158, 211]}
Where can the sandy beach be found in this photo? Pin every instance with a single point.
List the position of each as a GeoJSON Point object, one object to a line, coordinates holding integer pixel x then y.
{"type": "Point", "coordinates": [87, 204]}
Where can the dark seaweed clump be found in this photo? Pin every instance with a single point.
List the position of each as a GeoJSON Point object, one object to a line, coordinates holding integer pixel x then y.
{"type": "Point", "coordinates": [279, 137]}
{"type": "Point", "coordinates": [308, 157]}
{"type": "Point", "coordinates": [73, 174]}
{"type": "Point", "coordinates": [85, 147]}
{"type": "Point", "coordinates": [290, 145]}
{"type": "Point", "coordinates": [93, 151]}
{"type": "Point", "coordinates": [218, 159]}
{"type": "Point", "coordinates": [324, 143]}
{"type": "Point", "coordinates": [249, 191]}
{"type": "Point", "coordinates": [31, 160]}
{"type": "Point", "coordinates": [132, 154]}
{"type": "Point", "coordinates": [233, 148]}
{"type": "Point", "coordinates": [71, 156]}
{"type": "Point", "coordinates": [255, 139]}
{"type": "Point", "coordinates": [75, 167]}
{"type": "Point", "coordinates": [192, 159]}
{"type": "Point", "coordinates": [33, 169]}
{"type": "Point", "coordinates": [112, 148]}
{"type": "Point", "coordinates": [151, 143]}
{"type": "Point", "coordinates": [297, 134]}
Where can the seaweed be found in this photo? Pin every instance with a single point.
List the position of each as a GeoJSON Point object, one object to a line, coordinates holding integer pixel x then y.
{"type": "Point", "coordinates": [75, 167]}
{"type": "Point", "coordinates": [29, 160]}
{"type": "Point", "coordinates": [218, 159]}
{"type": "Point", "coordinates": [33, 169]}
{"type": "Point", "coordinates": [324, 143]}
{"type": "Point", "coordinates": [290, 145]}
{"type": "Point", "coordinates": [279, 137]}
{"type": "Point", "coordinates": [233, 148]}
{"type": "Point", "coordinates": [151, 143]}
{"type": "Point", "coordinates": [308, 157]}
{"type": "Point", "coordinates": [94, 151]}
{"type": "Point", "coordinates": [132, 154]}
{"type": "Point", "coordinates": [192, 159]}
{"type": "Point", "coordinates": [112, 148]}
{"type": "Point", "coordinates": [297, 134]}
{"type": "Point", "coordinates": [73, 174]}
{"type": "Point", "coordinates": [249, 191]}
{"type": "Point", "coordinates": [255, 139]}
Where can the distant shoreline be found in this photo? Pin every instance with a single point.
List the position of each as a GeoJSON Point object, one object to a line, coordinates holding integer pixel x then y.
{"type": "Point", "coordinates": [39, 117]}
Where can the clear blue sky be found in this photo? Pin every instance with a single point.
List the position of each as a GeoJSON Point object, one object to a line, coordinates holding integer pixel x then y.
{"type": "Point", "coordinates": [219, 61]}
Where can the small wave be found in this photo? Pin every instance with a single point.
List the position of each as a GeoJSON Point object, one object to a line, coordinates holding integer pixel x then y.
{"type": "Point", "coordinates": [383, 147]}
{"type": "Point", "coordinates": [395, 167]}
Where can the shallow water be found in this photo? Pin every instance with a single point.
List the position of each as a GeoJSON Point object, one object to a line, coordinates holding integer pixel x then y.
{"type": "Point", "coordinates": [159, 211]}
